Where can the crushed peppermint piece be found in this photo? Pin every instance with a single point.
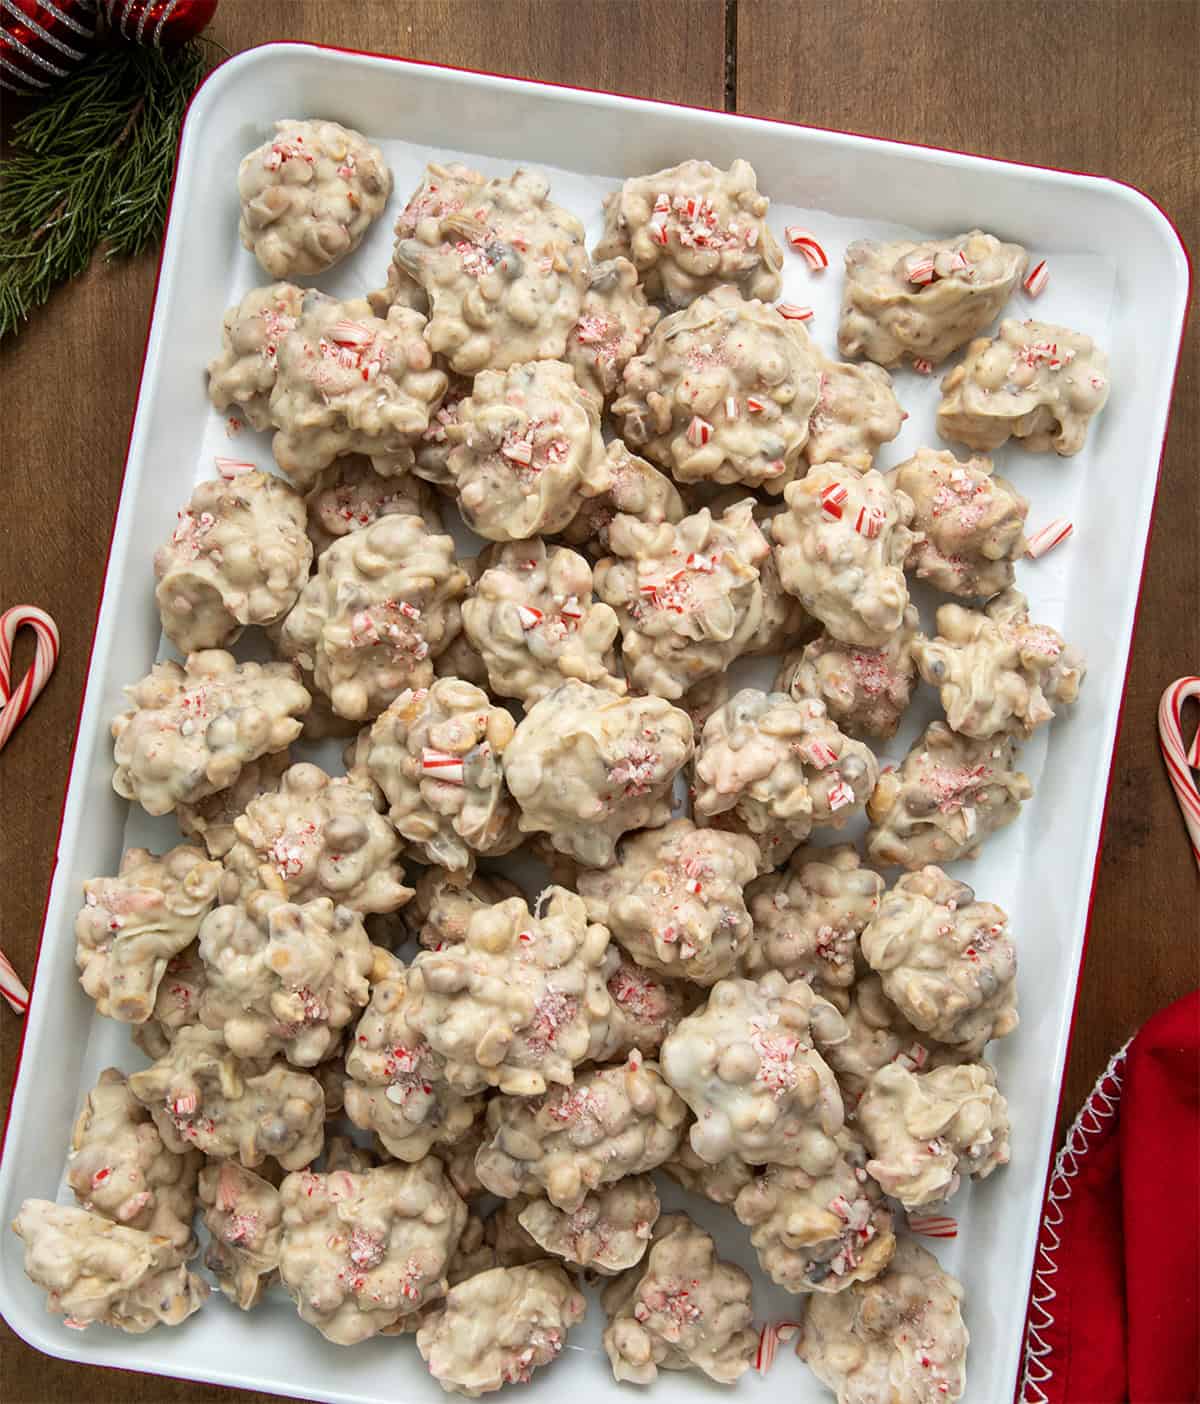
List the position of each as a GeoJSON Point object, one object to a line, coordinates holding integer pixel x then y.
{"type": "Point", "coordinates": [1051, 535]}
{"type": "Point", "coordinates": [1036, 279]}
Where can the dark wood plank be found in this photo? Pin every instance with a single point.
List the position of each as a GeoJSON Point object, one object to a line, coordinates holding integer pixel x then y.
{"type": "Point", "coordinates": [1062, 83]}
{"type": "Point", "coordinates": [70, 380]}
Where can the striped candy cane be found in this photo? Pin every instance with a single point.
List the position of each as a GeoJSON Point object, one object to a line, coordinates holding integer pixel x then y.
{"type": "Point", "coordinates": [1179, 760]}
{"type": "Point", "coordinates": [768, 1342]}
{"type": "Point", "coordinates": [933, 1225]}
{"type": "Point", "coordinates": [11, 987]}
{"type": "Point", "coordinates": [15, 702]}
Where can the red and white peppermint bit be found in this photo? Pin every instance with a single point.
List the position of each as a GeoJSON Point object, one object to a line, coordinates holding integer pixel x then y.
{"type": "Point", "coordinates": [230, 468]}
{"type": "Point", "coordinates": [731, 407]}
{"type": "Point", "coordinates": [840, 795]}
{"type": "Point", "coordinates": [922, 272]}
{"type": "Point", "coordinates": [933, 1225]}
{"type": "Point", "coordinates": [754, 405]}
{"type": "Point", "coordinates": [805, 242]}
{"type": "Point", "coordinates": [15, 702]}
{"type": "Point", "coordinates": [833, 499]}
{"type": "Point", "coordinates": [1051, 535]}
{"type": "Point", "coordinates": [658, 232]}
{"type": "Point", "coordinates": [820, 754]}
{"type": "Point", "coordinates": [699, 431]}
{"type": "Point", "coordinates": [869, 522]}
{"type": "Point", "coordinates": [1181, 760]}
{"type": "Point", "coordinates": [1036, 279]}
{"type": "Point", "coordinates": [571, 609]}
{"type": "Point", "coordinates": [768, 1342]}
{"type": "Point", "coordinates": [959, 261]}
{"type": "Point", "coordinates": [519, 451]}
{"type": "Point", "coordinates": [794, 312]}
{"type": "Point", "coordinates": [11, 987]}
{"type": "Point", "coordinates": [922, 366]}
{"type": "Point", "coordinates": [530, 618]}
{"type": "Point", "coordinates": [704, 564]}
{"type": "Point", "coordinates": [347, 333]}
{"type": "Point", "coordinates": [662, 203]}
{"type": "Point", "coordinates": [440, 765]}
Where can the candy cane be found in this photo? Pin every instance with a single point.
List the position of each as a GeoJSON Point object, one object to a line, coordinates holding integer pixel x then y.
{"type": "Point", "coordinates": [11, 987]}
{"type": "Point", "coordinates": [1051, 535]}
{"type": "Point", "coordinates": [933, 1225]}
{"type": "Point", "coordinates": [15, 702]}
{"type": "Point", "coordinates": [794, 312]}
{"type": "Point", "coordinates": [768, 1342]}
{"type": "Point", "coordinates": [805, 243]}
{"type": "Point", "coordinates": [1037, 279]}
{"type": "Point", "coordinates": [1179, 760]}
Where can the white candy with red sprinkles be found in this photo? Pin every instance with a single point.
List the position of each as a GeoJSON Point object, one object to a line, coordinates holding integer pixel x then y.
{"type": "Point", "coordinates": [1048, 537]}
{"type": "Point", "coordinates": [1036, 279]}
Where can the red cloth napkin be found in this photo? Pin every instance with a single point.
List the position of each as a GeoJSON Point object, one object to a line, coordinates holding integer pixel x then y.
{"type": "Point", "coordinates": [1114, 1312]}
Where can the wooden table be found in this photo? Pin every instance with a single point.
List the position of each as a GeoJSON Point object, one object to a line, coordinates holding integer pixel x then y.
{"type": "Point", "coordinates": [1091, 85]}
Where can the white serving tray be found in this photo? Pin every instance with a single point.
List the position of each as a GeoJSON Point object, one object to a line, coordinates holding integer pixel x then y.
{"type": "Point", "coordinates": [1118, 272]}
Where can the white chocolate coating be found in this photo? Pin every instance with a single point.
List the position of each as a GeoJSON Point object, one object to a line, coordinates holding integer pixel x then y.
{"type": "Point", "coordinates": [887, 316]}
{"type": "Point", "coordinates": [782, 767]}
{"type": "Point", "coordinates": [746, 1064]}
{"type": "Point", "coordinates": [898, 1339]}
{"type": "Point", "coordinates": [535, 622]}
{"type": "Point", "coordinates": [866, 690]}
{"type": "Point", "coordinates": [444, 903]}
{"type": "Point", "coordinates": [721, 1183]}
{"type": "Point", "coordinates": [497, 1327]}
{"type": "Point", "coordinates": [432, 451]}
{"type": "Point", "coordinates": [442, 191]}
{"type": "Point", "coordinates": [505, 274]}
{"type": "Point", "coordinates": [317, 836]}
{"type": "Point", "coordinates": [460, 659]}
{"type": "Point", "coordinates": [612, 1122]}
{"type": "Point", "coordinates": [784, 623]}
{"type": "Point", "coordinates": [645, 1008]}
{"type": "Point", "coordinates": [308, 195]}
{"type": "Point", "coordinates": [586, 767]}
{"type": "Point", "coordinates": [96, 1271]}
{"type": "Point", "coordinates": [681, 1308]}
{"type": "Point", "coordinates": [997, 671]}
{"type": "Point", "coordinates": [360, 1251]}
{"type": "Point", "coordinates": [636, 489]}
{"type": "Point", "coordinates": [238, 556]}
{"type": "Point", "coordinates": [949, 794]}
{"type": "Point", "coordinates": [383, 603]}
{"type": "Point", "coordinates": [437, 754]}
{"type": "Point", "coordinates": [244, 1217]}
{"type": "Point", "coordinates": [608, 1233]}
{"type": "Point", "coordinates": [808, 918]}
{"type": "Point", "coordinates": [352, 493]}
{"type": "Point", "coordinates": [926, 1130]}
{"type": "Point", "coordinates": [691, 228]}
{"type": "Point", "coordinates": [131, 925]}
{"type": "Point", "coordinates": [878, 1034]}
{"type": "Point", "coordinates": [819, 1233]}
{"type": "Point", "coordinates": [853, 582]}
{"type": "Point", "coordinates": [459, 1159]}
{"type": "Point", "coordinates": [514, 1005]}
{"type": "Point", "coordinates": [673, 899]}
{"type": "Point", "coordinates": [349, 382]}
{"type": "Point", "coordinates": [526, 447]}
{"type": "Point", "coordinates": [177, 1004]}
{"type": "Point", "coordinates": [398, 1085]}
{"type": "Point", "coordinates": [284, 977]}
{"type": "Point", "coordinates": [722, 393]}
{"type": "Point", "coordinates": [688, 595]}
{"type": "Point", "coordinates": [1033, 381]}
{"type": "Point", "coordinates": [191, 729]}
{"type": "Point", "coordinates": [855, 414]}
{"type": "Point", "coordinates": [119, 1167]}
{"type": "Point", "coordinates": [244, 373]}
{"type": "Point", "coordinates": [970, 522]}
{"type": "Point", "coordinates": [200, 1095]}
{"type": "Point", "coordinates": [946, 961]}
{"type": "Point", "coordinates": [211, 819]}
{"type": "Point", "coordinates": [613, 323]}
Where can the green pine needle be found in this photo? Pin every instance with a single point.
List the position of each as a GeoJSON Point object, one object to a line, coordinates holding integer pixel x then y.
{"type": "Point", "coordinates": [91, 165]}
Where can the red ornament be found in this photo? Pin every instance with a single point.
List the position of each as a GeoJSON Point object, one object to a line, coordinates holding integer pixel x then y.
{"type": "Point", "coordinates": [42, 41]}
{"type": "Point", "coordinates": [167, 23]}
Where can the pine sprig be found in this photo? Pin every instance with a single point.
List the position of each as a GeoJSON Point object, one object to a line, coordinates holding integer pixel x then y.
{"type": "Point", "coordinates": [91, 165]}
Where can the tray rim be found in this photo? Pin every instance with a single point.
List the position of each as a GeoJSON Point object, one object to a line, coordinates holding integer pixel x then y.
{"type": "Point", "coordinates": [207, 92]}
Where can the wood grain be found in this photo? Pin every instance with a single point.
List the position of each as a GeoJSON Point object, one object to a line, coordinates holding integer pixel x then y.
{"type": "Point", "coordinates": [70, 380]}
{"type": "Point", "coordinates": [1062, 85]}
{"type": "Point", "coordinates": [1059, 85]}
